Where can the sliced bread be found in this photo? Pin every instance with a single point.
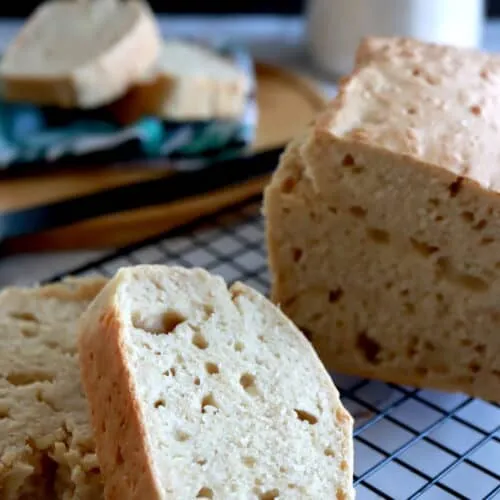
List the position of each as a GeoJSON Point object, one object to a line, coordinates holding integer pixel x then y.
{"type": "Point", "coordinates": [83, 53]}
{"type": "Point", "coordinates": [46, 444]}
{"type": "Point", "coordinates": [189, 82]}
{"type": "Point", "coordinates": [200, 391]}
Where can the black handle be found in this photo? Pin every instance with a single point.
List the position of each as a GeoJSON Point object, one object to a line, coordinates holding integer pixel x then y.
{"type": "Point", "coordinates": [139, 195]}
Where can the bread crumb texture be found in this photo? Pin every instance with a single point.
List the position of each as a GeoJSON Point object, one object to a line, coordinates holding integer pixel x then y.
{"type": "Point", "coordinates": [383, 220]}
{"type": "Point", "coordinates": [46, 444]}
{"type": "Point", "coordinates": [214, 393]}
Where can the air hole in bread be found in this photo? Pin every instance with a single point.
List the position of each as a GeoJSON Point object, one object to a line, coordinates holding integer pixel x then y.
{"type": "Point", "coordinates": [429, 346]}
{"type": "Point", "coordinates": [422, 371]}
{"type": "Point", "coordinates": [340, 494]}
{"type": "Point", "coordinates": [163, 325]}
{"type": "Point", "coordinates": [480, 348]}
{"type": "Point", "coordinates": [212, 368]}
{"type": "Point", "coordinates": [205, 493]}
{"type": "Point", "coordinates": [329, 452]}
{"type": "Point", "coordinates": [344, 466]}
{"type": "Point", "coordinates": [24, 316]}
{"type": "Point", "coordinates": [296, 254]}
{"type": "Point", "coordinates": [468, 216]}
{"type": "Point", "coordinates": [423, 248]}
{"type": "Point", "coordinates": [348, 160]}
{"type": "Point", "coordinates": [357, 211]}
{"type": "Point", "coordinates": [4, 413]}
{"type": "Point", "coordinates": [475, 110]}
{"type": "Point", "coordinates": [411, 111]}
{"type": "Point", "coordinates": [305, 416]}
{"type": "Point", "coordinates": [159, 403]}
{"type": "Point", "coordinates": [409, 308]}
{"type": "Point", "coordinates": [378, 235]}
{"type": "Point", "coordinates": [370, 348]}
{"type": "Point", "coordinates": [455, 187]}
{"type": "Point", "coordinates": [27, 377]}
{"type": "Point", "coordinates": [181, 436]}
{"type": "Point", "coordinates": [249, 462]}
{"type": "Point", "coordinates": [29, 331]}
{"type": "Point", "coordinates": [332, 210]}
{"type": "Point", "coordinates": [208, 401]}
{"type": "Point", "coordinates": [335, 295]}
{"type": "Point", "coordinates": [288, 185]}
{"type": "Point", "coordinates": [147, 346]}
{"type": "Point", "coordinates": [247, 381]}
{"type": "Point", "coordinates": [412, 347]}
{"type": "Point", "coordinates": [496, 373]}
{"type": "Point", "coordinates": [201, 461]}
{"type": "Point", "coordinates": [170, 372]}
{"type": "Point", "coordinates": [474, 367]}
{"type": "Point", "coordinates": [416, 72]}
{"type": "Point", "coordinates": [118, 456]}
{"type": "Point", "coordinates": [341, 416]}
{"type": "Point", "coordinates": [239, 346]}
{"type": "Point", "coordinates": [196, 381]}
{"type": "Point", "coordinates": [480, 225]}
{"type": "Point", "coordinates": [200, 341]}
{"type": "Point", "coordinates": [208, 310]}
{"type": "Point", "coordinates": [270, 494]}
{"type": "Point", "coordinates": [487, 240]}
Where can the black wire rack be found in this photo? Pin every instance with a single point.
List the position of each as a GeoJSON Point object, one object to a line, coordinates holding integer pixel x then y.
{"type": "Point", "coordinates": [409, 443]}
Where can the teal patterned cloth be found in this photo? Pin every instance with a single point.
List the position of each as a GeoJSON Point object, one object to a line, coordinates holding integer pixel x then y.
{"type": "Point", "coordinates": [33, 136]}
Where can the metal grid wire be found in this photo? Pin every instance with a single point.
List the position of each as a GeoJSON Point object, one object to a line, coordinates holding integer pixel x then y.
{"type": "Point", "coordinates": [408, 443]}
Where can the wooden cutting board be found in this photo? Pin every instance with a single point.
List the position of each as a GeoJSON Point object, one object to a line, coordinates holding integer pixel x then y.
{"type": "Point", "coordinates": [286, 104]}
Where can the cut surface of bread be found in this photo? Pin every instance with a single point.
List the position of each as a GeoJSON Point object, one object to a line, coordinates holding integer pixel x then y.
{"type": "Point", "coordinates": [46, 441]}
{"type": "Point", "coordinates": [383, 220]}
{"type": "Point", "coordinates": [82, 53]}
{"type": "Point", "coordinates": [188, 82]}
{"type": "Point", "coordinates": [200, 391]}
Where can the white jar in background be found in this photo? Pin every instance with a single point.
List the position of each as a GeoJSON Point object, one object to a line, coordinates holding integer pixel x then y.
{"type": "Point", "coordinates": [335, 27]}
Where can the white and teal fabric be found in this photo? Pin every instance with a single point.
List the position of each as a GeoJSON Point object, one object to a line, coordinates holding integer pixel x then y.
{"type": "Point", "coordinates": [30, 135]}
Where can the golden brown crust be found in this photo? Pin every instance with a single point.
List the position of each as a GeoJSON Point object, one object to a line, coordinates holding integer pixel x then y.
{"type": "Point", "coordinates": [117, 433]}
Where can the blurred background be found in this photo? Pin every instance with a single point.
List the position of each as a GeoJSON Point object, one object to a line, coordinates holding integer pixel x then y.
{"type": "Point", "coordinates": [203, 7]}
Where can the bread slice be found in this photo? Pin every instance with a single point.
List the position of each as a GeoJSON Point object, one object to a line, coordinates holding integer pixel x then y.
{"type": "Point", "coordinates": [189, 83]}
{"type": "Point", "coordinates": [383, 220]}
{"type": "Point", "coordinates": [82, 53]}
{"type": "Point", "coordinates": [200, 391]}
{"type": "Point", "coordinates": [46, 440]}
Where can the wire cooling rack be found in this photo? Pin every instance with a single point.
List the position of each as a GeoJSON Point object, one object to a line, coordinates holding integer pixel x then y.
{"type": "Point", "coordinates": [408, 443]}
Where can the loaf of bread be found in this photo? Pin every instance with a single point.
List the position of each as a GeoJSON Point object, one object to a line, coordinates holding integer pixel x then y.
{"type": "Point", "coordinates": [188, 83]}
{"type": "Point", "coordinates": [200, 391]}
{"type": "Point", "coordinates": [46, 441]}
{"type": "Point", "coordinates": [82, 53]}
{"type": "Point", "coordinates": [383, 220]}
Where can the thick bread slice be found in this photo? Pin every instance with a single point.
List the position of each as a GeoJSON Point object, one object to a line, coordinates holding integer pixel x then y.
{"type": "Point", "coordinates": [383, 221]}
{"type": "Point", "coordinates": [46, 444]}
{"type": "Point", "coordinates": [200, 391]}
{"type": "Point", "coordinates": [189, 82]}
{"type": "Point", "coordinates": [83, 53]}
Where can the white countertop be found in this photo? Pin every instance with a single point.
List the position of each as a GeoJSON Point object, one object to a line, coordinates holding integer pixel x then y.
{"type": "Point", "coordinates": [279, 40]}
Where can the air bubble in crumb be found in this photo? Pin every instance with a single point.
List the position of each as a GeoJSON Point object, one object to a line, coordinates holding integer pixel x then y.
{"type": "Point", "coordinates": [249, 462]}
{"type": "Point", "coordinates": [329, 452]}
{"type": "Point", "coordinates": [200, 341]}
{"type": "Point", "coordinates": [181, 436]}
{"type": "Point", "coordinates": [305, 416]}
{"type": "Point", "coordinates": [159, 403]}
{"type": "Point", "coordinates": [211, 368]}
{"type": "Point", "coordinates": [239, 346]}
{"type": "Point", "coordinates": [247, 381]}
{"type": "Point", "coordinates": [270, 494]}
{"type": "Point", "coordinates": [196, 380]}
{"type": "Point", "coordinates": [208, 400]}
{"type": "Point", "coordinates": [205, 493]}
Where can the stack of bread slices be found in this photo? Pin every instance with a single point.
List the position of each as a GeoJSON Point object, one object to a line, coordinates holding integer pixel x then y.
{"type": "Point", "coordinates": [88, 54]}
